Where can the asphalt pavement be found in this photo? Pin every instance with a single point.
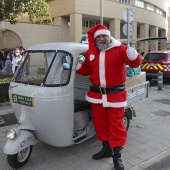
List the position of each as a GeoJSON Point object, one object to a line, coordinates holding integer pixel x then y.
{"type": "Point", "coordinates": [147, 148]}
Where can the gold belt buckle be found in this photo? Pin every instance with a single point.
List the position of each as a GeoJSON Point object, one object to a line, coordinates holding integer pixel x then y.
{"type": "Point", "coordinates": [104, 89]}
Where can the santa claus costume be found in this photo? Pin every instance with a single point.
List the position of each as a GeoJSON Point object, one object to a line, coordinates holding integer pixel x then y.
{"type": "Point", "coordinates": [107, 93]}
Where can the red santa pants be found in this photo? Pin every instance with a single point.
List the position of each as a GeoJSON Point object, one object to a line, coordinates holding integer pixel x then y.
{"type": "Point", "coordinates": [108, 124]}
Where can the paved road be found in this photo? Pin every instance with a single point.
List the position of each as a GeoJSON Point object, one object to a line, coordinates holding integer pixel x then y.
{"type": "Point", "coordinates": [148, 144]}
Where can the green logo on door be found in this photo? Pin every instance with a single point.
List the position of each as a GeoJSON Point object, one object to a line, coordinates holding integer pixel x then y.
{"type": "Point", "coordinates": [24, 100]}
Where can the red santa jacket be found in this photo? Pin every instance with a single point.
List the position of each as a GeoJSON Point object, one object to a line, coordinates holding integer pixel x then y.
{"type": "Point", "coordinates": [107, 69]}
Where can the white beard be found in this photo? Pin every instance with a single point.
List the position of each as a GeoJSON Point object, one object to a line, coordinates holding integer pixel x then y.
{"type": "Point", "coordinates": [103, 45]}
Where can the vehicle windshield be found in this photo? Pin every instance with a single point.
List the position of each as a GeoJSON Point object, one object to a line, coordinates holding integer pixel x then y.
{"type": "Point", "coordinates": [155, 56]}
{"type": "Point", "coordinates": [45, 68]}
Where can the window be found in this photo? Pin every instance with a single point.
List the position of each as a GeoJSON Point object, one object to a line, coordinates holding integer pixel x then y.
{"type": "Point", "coordinates": [86, 23]}
{"type": "Point", "coordinates": [90, 24]}
{"type": "Point", "coordinates": [150, 7]}
{"type": "Point", "coordinates": [93, 23]}
{"type": "Point", "coordinates": [155, 56]}
{"type": "Point", "coordinates": [158, 11]}
{"type": "Point", "coordinates": [125, 1]}
{"type": "Point", "coordinates": [46, 68]}
{"type": "Point", "coordinates": [139, 4]}
{"type": "Point", "coordinates": [106, 24]}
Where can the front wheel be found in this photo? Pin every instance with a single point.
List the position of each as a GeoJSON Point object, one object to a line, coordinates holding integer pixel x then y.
{"type": "Point", "coordinates": [19, 159]}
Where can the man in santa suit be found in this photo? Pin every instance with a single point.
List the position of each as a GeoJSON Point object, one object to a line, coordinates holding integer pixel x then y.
{"type": "Point", "coordinates": [105, 63]}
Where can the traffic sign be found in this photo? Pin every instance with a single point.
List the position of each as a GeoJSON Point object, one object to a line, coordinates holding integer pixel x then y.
{"type": "Point", "coordinates": [127, 29]}
{"type": "Point", "coordinates": [128, 15]}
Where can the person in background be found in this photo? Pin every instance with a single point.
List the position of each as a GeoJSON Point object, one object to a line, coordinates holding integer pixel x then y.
{"type": "Point", "coordinates": [8, 54]}
{"type": "Point", "coordinates": [21, 50]}
{"type": "Point", "coordinates": [142, 54]}
{"type": "Point", "coordinates": [1, 59]}
{"type": "Point", "coordinates": [8, 66]}
{"type": "Point", "coordinates": [105, 63]}
{"type": "Point", "coordinates": [16, 60]}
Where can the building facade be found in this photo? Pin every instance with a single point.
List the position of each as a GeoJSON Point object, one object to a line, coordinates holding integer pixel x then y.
{"type": "Point", "coordinates": [150, 17]}
{"type": "Point", "coordinates": [74, 17]}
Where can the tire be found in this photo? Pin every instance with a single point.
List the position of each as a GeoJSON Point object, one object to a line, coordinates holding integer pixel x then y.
{"type": "Point", "coordinates": [19, 159]}
{"type": "Point", "coordinates": [126, 120]}
{"type": "Point", "coordinates": [148, 79]}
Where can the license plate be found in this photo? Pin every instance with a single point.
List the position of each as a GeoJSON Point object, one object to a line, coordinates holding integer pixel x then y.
{"type": "Point", "coordinates": [23, 100]}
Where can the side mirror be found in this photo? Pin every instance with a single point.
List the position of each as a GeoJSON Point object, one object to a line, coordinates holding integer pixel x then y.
{"type": "Point", "coordinates": [81, 59]}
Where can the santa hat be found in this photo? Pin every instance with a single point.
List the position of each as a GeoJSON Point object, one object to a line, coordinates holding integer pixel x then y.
{"type": "Point", "coordinates": [93, 33]}
{"type": "Point", "coordinates": [17, 51]}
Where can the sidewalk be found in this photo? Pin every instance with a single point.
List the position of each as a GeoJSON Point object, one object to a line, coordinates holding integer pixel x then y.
{"type": "Point", "coordinates": [148, 144]}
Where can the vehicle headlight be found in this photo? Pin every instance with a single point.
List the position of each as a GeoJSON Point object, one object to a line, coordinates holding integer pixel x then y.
{"type": "Point", "coordinates": [12, 133]}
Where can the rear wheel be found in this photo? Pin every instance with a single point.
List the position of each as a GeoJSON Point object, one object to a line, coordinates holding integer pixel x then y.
{"type": "Point", "coordinates": [19, 159]}
{"type": "Point", "coordinates": [126, 120]}
{"type": "Point", "coordinates": [148, 79]}
{"type": "Point", "coordinates": [166, 80]}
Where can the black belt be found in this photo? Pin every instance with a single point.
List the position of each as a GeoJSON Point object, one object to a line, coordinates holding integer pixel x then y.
{"type": "Point", "coordinates": [109, 90]}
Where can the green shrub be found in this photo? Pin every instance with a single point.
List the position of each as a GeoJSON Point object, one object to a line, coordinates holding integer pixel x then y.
{"type": "Point", "coordinates": [4, 87]}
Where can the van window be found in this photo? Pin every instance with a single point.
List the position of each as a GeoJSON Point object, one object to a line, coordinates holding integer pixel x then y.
{"type": "Point", "coordinates": [155, 56]}
{"type": "Point", "coordinates": [59, 73]}
{"type": "Point", "coordinates": [33, 68]}
{"type": "Point", "coordinates": [45, 68]}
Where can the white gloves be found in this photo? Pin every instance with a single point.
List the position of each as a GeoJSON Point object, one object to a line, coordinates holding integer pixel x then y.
{"type": "Point", "coordinates": [131, 53]}
{"type": "Point", "coordinates": [80, 60]}
{"type": "Point", "coordinates": [78, 66]}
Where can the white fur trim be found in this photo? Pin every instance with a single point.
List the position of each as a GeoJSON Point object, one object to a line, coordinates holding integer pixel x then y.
{"type": "Point", "coordinates": [92, 100]}
{"type": "Point", "coordinates": [104, 31]}
{"type": "Point", "coordinates": [116, 104]}
{"type": "Point", "coordinates": [105, 103]}
{"type": "Point", "coordinates": [114, 43]}
{"type": "Point", "coordinates": [92, 57]}
{"type": "Point", "coordinates": [102, 68]}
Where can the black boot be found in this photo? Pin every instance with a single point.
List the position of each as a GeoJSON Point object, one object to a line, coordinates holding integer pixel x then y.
{"type": "Point", "coordinates": [106, 152]}
{"type": "Point", "coordinates": [118, 165]}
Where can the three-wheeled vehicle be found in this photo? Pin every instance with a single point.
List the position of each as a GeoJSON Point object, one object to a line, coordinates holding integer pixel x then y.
{"type": "Point", "coordinates": [48, 99]}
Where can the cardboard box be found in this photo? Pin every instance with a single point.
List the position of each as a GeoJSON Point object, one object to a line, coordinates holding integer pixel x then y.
{"type": "Point", "coordinates": [133, 81]}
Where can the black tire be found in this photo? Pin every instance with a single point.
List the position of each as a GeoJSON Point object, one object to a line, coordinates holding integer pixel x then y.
{"type": "Point", "coordinates": [148, 79]}
{"type": "Point", "coordinates": [166, 80]}
{"type": "Point", "coordinates": [126, 120]}
{"type": "Point", "coordinates": [19, 159]}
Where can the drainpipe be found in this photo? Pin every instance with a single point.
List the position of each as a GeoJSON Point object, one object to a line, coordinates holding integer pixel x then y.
{"type": "Point", "coordinates": [101, 12]}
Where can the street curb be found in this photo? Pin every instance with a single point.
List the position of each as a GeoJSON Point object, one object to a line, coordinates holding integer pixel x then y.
{"type": "Point", "coordinates": [5, 103]}
{"type": "Point", "coordinates": [155, 163]}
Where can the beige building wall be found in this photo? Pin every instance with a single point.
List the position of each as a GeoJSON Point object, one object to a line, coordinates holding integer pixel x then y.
{"type": "Point", "coordinates": [75, 31]}
{"type": "Point", "coordinates": [29, 34]}
{"type": "Point", "coordinates": [114, 26]}
{"type": "Point", "coordinates": [112, 14]}
{"type": "Point", "coordinates": [168, 34]}
{"type": "Point", "coordinates": [10, 40]}
{"type": "Point", "coordinates": [154, 33]}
